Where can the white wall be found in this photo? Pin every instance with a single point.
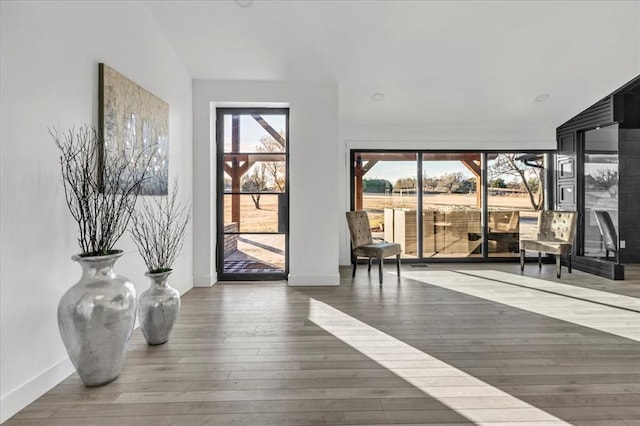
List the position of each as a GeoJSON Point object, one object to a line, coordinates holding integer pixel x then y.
{"type": "Point", "coordinates": [314, 168]}
{"type": "Point", "coordinates": [49, 72]}
{"type": "Point", "coordinates": [418, 138]}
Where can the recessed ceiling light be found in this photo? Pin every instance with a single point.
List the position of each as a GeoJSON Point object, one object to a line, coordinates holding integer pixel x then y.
{"type": "Point", "coordinates": [542, 98]}
{"type": "Point", "coordinates": [244, 3]}
{"type": "Point", "coordinates": [377, 97]}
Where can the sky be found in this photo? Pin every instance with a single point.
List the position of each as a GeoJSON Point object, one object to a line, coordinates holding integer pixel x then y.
{"type": "Point", "coordinates": [251, 131]}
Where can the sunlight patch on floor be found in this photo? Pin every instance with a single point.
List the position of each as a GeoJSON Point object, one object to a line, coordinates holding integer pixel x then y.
{"type": "Point", "coordinates": [609, 319]}
{"type": "Point", "coordinates": [426, 372]}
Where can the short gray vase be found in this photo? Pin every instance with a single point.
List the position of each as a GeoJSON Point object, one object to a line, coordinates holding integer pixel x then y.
{"type": "Point", "coordinates": [96, 317]}
{"type": "Point", "coordinates": [158, 308]}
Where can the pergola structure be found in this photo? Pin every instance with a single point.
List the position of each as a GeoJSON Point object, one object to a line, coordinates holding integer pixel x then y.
{"type": "Point", "coordinates": [366, 160]}
{"type": "Point", "coordinates": [236, 164]}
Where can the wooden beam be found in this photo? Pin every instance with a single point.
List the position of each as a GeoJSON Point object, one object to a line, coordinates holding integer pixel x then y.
{"type": "Point", "coordinates": [277, 136]}
{"type": "Point", "coordinates": [254, 157]}
{"type": "Point", "coordinates": [358, 184]}
{"type": "Point", "coordinates": [473, 166]}
{"type": "Point", "coordinates": [426, 156]}
{"type": "Point", "coordinates": [368, 166]}
{"type": "Point", "coordinates": [242, 169]}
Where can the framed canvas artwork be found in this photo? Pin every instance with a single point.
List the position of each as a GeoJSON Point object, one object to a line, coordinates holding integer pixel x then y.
{"type": "Point", "coordinates": [134, 125]}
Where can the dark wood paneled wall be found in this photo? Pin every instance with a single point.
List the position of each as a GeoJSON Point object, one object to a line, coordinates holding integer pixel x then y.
{"type": "Point", "coordinates": [629, 193]}
{"type": "Point", "coordinates": [622, 107]}
{"type": "Point", "coordinates": [598, 114]}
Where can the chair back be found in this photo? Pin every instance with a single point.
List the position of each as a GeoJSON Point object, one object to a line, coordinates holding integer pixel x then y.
{"type": "Point", "coordinates": [558, 226]}
{"type": "Point", "coordinates": [359, 228]}
{"type": "Point", "coordinates": [607, 230]}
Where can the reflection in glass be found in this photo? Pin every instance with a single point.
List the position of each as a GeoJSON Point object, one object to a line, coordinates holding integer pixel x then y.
{"type": "Point", "coordinates": [600, 189]}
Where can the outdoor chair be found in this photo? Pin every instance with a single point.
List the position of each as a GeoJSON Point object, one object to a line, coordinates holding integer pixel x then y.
{"type": "Point", "coordinates": [555, 236]}
{"type": "Point", "coordinates": [607, 231]}
{"type": "Point", "coordinates": [363, 245]}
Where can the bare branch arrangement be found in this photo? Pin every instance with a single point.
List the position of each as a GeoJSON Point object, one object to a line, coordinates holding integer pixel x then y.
{"type": "Point", "coordinates": [158, 229]}
{"type": "Point", "coordinates": [100, 199]}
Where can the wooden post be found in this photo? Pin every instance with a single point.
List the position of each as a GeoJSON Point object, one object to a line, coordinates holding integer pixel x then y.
{"type": "Point", "coordinates": [474, 167]}
{"type": "Point", "coordinates": [358, 183]}
{"type": "Point", "coordinates": [235, 170]}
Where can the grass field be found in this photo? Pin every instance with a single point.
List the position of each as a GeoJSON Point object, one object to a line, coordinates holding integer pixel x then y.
{"type": "Point", "coordinates": [376, 203]}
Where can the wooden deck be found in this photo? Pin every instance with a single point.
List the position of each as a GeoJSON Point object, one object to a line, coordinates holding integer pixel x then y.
{"type": "Point", "coordinates": [408, 353]}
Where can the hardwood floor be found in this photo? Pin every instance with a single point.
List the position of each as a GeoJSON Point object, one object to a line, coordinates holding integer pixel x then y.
{"type": "Point", "coordinates": [408, 353]}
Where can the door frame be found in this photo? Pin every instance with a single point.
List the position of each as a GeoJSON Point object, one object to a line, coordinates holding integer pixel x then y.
{"type": "Point", "coordinates": [485, 207]}
{"type": "Point", "coordinates": [219, 196]}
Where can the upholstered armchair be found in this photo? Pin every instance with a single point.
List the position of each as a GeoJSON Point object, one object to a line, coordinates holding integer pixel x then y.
{"type": "Point", "coordinates": [363, 245]}
{"type": "Point", "coordinates": [555, 236]}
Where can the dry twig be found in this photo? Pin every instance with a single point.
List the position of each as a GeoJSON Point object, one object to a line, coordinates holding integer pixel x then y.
{"type": "Point", "coordinates": [100, 203]}
{"type": "Point", "coordinates": [158, 229]}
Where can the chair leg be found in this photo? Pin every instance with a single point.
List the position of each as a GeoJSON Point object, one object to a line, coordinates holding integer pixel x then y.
{"type": "Point", "coordinates": [398, 264]}
{"type": "Point", "coordinates": [558, 265]}
{"type": "Point", "coordinates": [355, 262]}
{"type": "Point", "coordinates": [369, 270]}
{"type": "Point", "coordinates": [569, 261]}
{"type": "Point", "coordinates": [380, 265]}
{"type": "Point", "coordinates": [539, 260]}
{"type": "Point", "coordinates": [521, 260]}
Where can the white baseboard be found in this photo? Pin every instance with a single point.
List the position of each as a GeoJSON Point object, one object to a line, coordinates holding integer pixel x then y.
{"type": "Point", "coordinates": [31, 390]}
{"type": "Point", "coordinates": [207, 281]}
{"type": "Point", "coordinates": [314, 280]}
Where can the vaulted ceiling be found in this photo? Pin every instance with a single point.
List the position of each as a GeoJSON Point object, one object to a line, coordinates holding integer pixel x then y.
{"type": "Point", "coordinates": [438, 63]}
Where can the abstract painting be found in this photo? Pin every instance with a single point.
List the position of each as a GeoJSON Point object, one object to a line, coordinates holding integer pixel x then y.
{"type": "Point", "coordinates": [135, 127]}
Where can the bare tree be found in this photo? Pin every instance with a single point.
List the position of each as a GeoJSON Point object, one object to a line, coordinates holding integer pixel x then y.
{"type": "Point", "coordinates": [255, 182]}
{"type": "Point", "coordinates": [275, 170]}
{"type": "Point", "coordinates": [100, 190]}
{"type": "Point", "coordinates": [158, 229]}
{"type": "Point", "coordinates": [507, 165]}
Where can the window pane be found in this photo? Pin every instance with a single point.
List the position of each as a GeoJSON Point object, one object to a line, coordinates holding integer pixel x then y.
{"type": "Point", "coordinates": [252, 134]}
{"type": "Point", "coordinates": [253, 212]}
{"type": "Point", "coordinates": [386, 190]}
{"type": "Point", "coordinates": [600, 190]}
{"type": "Point", "coordinates": [451, 205]}
{"type": "Point", "coordinates": [254, 173]}
{"type": "Point", "coordinates": [253, 253]}
{"type": "Point", "coordinates": [515, 196]}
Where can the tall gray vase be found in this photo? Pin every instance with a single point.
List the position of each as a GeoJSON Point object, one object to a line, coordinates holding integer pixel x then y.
{"type": "Point", "coordinates": [96, 317]}
{"type": "Point", "coordinates": [158, 309]}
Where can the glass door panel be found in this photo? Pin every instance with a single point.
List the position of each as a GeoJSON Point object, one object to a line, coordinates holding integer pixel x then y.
{"type": "Point", "coordinates": [451, 205]}
{"type": "Point", "coordinates": [601, 191]}
{"type": "Point", "coordinates": [515, 196]}
{"type": "Point", "coordinates": [385, 187]}
{"type": "Point", "coordinates": [252, 194]}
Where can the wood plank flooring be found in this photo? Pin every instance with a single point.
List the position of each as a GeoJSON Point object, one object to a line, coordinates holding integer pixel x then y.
{"type": "Point", "coordinates": [409, 353]}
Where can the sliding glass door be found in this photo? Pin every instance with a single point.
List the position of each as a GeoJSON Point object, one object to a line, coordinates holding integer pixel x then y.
{"type": "Point", "coordinates": [450, 205]}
